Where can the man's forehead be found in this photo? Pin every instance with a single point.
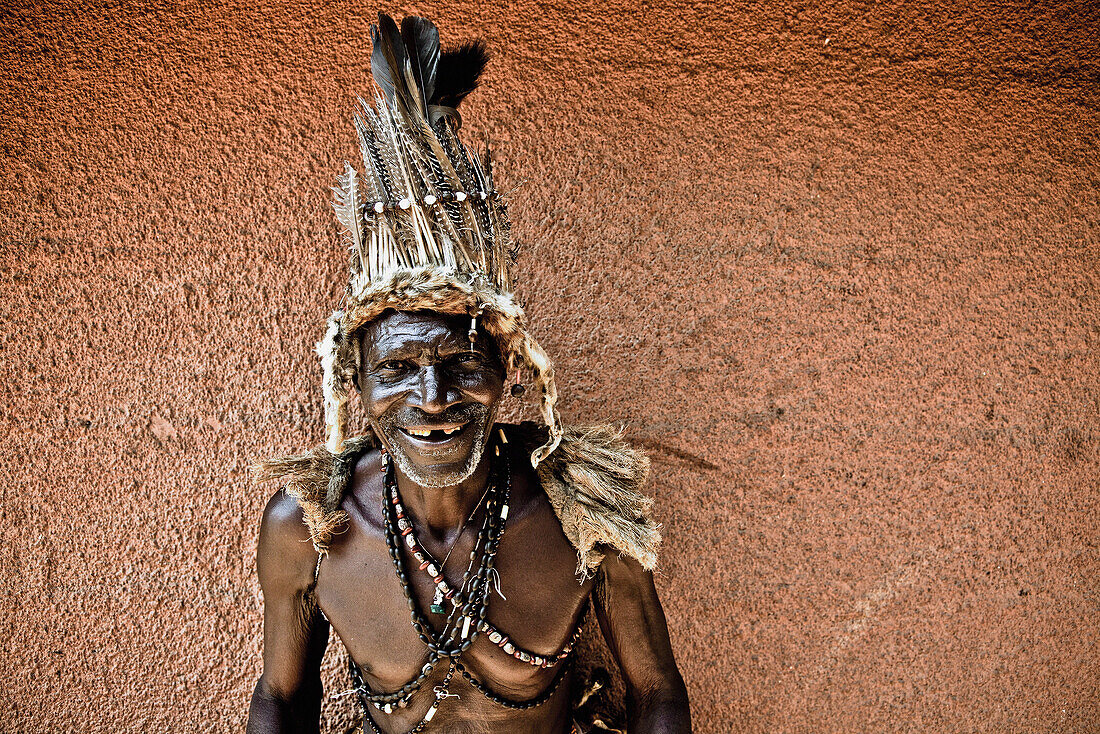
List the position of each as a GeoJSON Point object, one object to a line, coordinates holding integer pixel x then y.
{"type": "Point", "coordinates": [416, 332]}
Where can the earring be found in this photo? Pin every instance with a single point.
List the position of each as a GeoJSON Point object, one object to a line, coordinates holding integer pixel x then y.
{"type": "Point", "coordinates": [472, 333]}
{"type": "Point", "coordinates": [518, 388]}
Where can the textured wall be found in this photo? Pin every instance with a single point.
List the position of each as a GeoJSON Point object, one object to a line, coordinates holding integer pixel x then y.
{"type": "Point", "coordinates": [835, 267]}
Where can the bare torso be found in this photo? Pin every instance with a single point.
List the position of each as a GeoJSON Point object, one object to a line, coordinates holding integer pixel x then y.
{"type": "Point", "coordinates": [361, 596]}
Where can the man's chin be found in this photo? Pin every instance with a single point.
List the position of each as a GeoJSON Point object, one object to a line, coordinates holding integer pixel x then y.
{"type": "Point", "coordinates": [433, 468]}
{"type": "Point", "coordinates": [436, 477]}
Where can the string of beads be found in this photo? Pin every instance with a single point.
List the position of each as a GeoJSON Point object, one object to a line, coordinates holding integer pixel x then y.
{"type": "Point", "coordinates": [438, 645]}
{"type": "Point", "coordinates": [431, 200]}
{"type": "Point", "coordinates": [494, 635]}
{"type": "Point", "coordinates": [440, 693]}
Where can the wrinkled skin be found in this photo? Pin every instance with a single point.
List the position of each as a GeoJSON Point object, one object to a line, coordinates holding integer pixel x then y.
{"type": "Point", "coordinates": [420, 372]}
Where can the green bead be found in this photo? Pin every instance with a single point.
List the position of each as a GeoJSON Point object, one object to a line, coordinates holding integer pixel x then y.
{"type": "Point", "coordinates": [437, 608]}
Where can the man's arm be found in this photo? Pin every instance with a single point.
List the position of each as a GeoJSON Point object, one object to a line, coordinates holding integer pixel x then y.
{"type": "Point", "coordinates": [633, 624]}
{"type": "Point", "coordinates": [288, 695]}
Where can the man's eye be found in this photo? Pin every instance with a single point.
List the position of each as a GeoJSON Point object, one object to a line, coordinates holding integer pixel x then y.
{"type": "Point", "coordinates": [468, 361]}
{"type": "Point", "coordinates": [391, 365]}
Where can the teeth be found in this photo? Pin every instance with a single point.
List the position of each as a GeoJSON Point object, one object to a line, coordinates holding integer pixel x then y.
{"type": "Point", "coordinates": [424, 434]}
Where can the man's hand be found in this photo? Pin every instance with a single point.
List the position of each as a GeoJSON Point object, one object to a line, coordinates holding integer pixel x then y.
{"type": "Point", "coordinates": [288, 695]}
{"type": "Point", "coordinates": [633, 624]}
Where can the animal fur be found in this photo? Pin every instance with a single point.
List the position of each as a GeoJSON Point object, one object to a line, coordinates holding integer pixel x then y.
{"type": "Point", "coordinates": [594, 482]}
{"type": "Point", "coordinates": [318, 480]}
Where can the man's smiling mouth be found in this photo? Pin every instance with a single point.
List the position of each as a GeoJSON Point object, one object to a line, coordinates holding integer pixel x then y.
{"type": "Point", "coordinates": [434, 434]}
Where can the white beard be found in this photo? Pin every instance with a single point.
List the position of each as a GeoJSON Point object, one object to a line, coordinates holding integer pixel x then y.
{"type": "Point", "coordinates": [438, 479]}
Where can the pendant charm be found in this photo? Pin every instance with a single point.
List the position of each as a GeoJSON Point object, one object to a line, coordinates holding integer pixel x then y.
{"type": "Point", "coordinates": [437, 601]}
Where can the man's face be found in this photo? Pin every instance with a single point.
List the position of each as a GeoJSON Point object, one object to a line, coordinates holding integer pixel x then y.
{"type": "Point", "coordinates": [430, 395]}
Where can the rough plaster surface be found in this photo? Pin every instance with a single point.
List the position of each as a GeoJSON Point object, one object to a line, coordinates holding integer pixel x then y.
{"type": "Point", "coordinates": [834, 264]}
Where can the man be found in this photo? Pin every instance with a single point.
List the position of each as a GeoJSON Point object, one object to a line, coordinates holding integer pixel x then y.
{"type": "Point", "coordinates": [454, 556]}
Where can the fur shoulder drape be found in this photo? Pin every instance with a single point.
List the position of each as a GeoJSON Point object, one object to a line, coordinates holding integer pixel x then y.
{"type": "Point", "coordinates": [594, 482]}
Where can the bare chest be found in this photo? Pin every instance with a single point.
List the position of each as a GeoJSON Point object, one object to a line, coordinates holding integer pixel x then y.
{"type": "Point", "coordinates": [534, 607]}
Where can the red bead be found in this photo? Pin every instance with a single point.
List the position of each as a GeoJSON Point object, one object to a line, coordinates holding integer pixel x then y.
{"type": "Point", "coordinates": [424, 565]}
{"type": "Point", "coordinates": [406, 531]}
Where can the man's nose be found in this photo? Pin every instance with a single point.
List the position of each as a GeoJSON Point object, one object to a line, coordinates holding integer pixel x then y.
{"type": "Point", "coordinates": [436, 394]}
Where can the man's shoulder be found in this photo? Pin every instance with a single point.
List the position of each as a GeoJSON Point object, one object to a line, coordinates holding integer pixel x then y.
{"type": "Point", "coordinates": [283, 518]}
{"type": "Point", "coordinates": [285, 557]}
{"type": "Point", "coordinates": [315, 481]}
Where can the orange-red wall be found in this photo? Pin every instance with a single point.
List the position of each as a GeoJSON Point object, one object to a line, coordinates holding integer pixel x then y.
{"type": "Point", "coordinates": [834, 264]}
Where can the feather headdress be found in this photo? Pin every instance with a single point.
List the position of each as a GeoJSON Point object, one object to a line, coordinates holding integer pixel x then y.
{"type": "Point", "coordinates": [424, 225]}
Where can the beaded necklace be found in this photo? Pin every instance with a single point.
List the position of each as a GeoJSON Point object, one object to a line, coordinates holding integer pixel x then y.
{"type": "Point", "coordinates": [455, 596]}
{"type": "Point", "coordinates": [443, 644]}
{"type": "Point", "coordinates": [426, 563]}
{"type": "Point", "coordinates": [467, 617]}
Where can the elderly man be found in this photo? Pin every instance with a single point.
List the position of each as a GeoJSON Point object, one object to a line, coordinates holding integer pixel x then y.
{"type": "Point", "coordinates": [454, 556]}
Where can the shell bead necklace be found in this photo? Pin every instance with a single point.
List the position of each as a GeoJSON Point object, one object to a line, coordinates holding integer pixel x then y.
{"type": "Point", "coordinates": [442, 644]}
{"type": "Point", "coordinates": [455, 596]}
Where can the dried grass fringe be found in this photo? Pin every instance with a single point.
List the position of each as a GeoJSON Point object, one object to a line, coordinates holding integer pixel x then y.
{"type": "Point", "coordinates": [595, 483]}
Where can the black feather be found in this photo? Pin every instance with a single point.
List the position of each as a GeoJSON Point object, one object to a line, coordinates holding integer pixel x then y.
{"type": "Point", "coordinates": [387, 61]}
{"type": "Point", "coordinates": [379, 69]}
{"type": "Point", "coordinates": [459, 69]}
{"type": "Point", "coordinates": [421, 39]}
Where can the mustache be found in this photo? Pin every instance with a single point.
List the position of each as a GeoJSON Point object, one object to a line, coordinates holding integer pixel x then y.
{"type": "Point", "coordinates": [409, 415]}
